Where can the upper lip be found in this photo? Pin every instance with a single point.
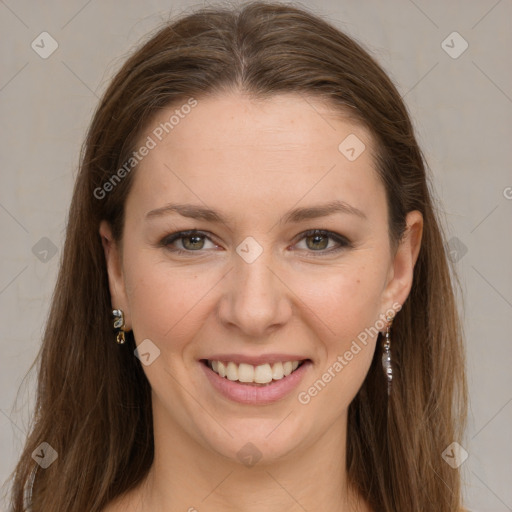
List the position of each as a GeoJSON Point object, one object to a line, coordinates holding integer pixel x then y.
{"type": "Point", "coordinates": [256, 360]}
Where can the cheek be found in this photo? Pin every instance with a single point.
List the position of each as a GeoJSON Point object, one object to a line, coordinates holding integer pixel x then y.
{"type": "Point", "coordinates": [347, 308]}
{"type": "Point", "coordinates": [346, 305]}
{"type": "Point", "coordinates": [345, 298]}
{"type": "Point", "coordinates": [164, 301]}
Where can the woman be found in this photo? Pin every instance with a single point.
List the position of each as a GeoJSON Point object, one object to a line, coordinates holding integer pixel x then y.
{"type": "Point", "coordinates": [254, 309]}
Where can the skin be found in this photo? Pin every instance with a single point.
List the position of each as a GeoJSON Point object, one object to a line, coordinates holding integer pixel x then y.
{"type": "Point", "coordinates": [253, 161]}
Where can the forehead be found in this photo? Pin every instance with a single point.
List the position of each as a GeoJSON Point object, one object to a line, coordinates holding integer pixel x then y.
{"type": "Point", "coordinates": [231, 150]}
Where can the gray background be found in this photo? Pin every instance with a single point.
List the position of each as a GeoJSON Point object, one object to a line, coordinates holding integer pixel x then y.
{"type": "Point", "coordinates": [462, 112]}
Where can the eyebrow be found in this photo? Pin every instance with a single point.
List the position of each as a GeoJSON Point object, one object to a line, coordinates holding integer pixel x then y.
{"type": "Point", "coordinates": [293, 216]}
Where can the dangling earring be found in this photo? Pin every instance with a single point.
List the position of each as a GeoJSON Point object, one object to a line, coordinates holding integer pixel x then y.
{"type": "Point", "coordinates": [386, 356]}
{"type": "Point", "coordinates": [119, 325]}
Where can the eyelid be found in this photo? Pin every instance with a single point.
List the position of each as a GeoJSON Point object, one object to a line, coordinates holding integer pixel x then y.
{"type": "Point", "coordinates": [342, 241]}
{"type": "Point", "coordinates": [177, 235]}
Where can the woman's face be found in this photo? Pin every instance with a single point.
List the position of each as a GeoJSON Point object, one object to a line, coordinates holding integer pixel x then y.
{"type": "Point", "coordinates": [252, 286]}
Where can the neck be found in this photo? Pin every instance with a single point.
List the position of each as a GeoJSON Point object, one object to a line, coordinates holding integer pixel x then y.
{"type": "Point", "coordinates": [188, 476]}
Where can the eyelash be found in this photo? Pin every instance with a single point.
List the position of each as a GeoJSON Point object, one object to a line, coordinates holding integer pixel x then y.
{"type": "Point", "coordinates": [343, 242]}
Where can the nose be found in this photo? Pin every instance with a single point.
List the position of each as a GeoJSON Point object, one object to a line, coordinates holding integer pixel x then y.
{"type": "Point", "coordinates": [256, 300]}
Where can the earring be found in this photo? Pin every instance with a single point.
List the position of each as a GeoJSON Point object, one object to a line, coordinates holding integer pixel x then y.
{"type": "Point", "coordinates": [386, 356]}
{"type": "Point", "coordinates": [119, 325]}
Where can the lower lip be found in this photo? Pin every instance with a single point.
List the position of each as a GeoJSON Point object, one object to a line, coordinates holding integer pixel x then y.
{"type": "Point", "coordinates": [256, 395]}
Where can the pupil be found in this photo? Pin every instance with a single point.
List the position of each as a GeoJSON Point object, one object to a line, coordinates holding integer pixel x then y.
{"type": "Point", "coordinates": [316, 237]}
{"type": "Point", "coordinates": [194, 238]}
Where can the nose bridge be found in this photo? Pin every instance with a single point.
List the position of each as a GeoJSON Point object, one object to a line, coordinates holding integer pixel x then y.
{"type": "Point", "coordinates": [256, 298]}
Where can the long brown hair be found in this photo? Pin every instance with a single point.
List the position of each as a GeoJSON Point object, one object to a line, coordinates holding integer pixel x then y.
{"type": "Point", "coordinates": [93, 400]}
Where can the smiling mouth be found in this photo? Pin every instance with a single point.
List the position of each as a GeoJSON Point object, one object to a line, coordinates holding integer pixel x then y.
{"type": "Point", "coordinates": [260, 375]}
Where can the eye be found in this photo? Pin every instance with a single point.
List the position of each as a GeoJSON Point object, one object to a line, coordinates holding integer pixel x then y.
{"type": "Point", "coordinates": [317, 240]}
{"type": "Point", "coordinates": [190, 241]}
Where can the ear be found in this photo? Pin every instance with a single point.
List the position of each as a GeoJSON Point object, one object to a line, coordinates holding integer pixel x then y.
{"type": "Point", "coordinates": [400, 275]}
{"type": "Point", "coordinates": [115, 271]}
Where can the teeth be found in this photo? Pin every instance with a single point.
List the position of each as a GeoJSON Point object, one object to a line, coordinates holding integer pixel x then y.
{"type": "Point", "coordinates": [232, 371]}
{"type": "Point", "coordinates": [245, 372]}
{"type": "Point", "coordinates": [277, 371]}
{"type": "Point", "coordinates": [261, 374]}
{"type": "Point", "coordinates": [287, 367]}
